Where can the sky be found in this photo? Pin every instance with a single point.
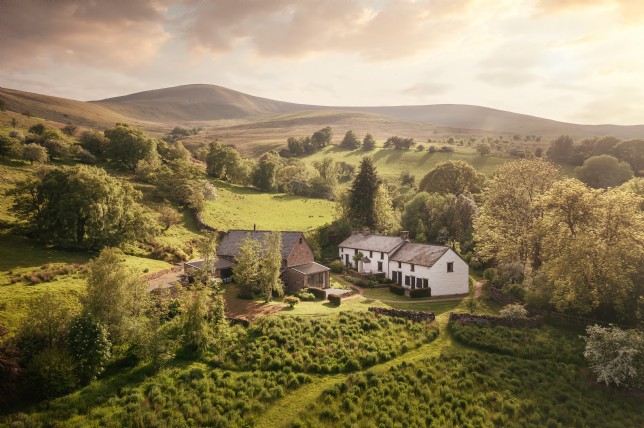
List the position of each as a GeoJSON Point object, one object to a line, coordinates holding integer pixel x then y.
{"type": "Point", "coordinates": [577, 61]}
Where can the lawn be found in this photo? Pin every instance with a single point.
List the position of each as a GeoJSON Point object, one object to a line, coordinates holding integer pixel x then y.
{"type": "Point", "coordinates": [385, 294]}
{"type": "Point", "coordinates": [238, 207]}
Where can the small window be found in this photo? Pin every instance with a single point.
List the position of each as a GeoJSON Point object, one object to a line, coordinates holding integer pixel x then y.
{"type": "Point", "coordinates": [450, 267]}
{"type": "Point", "coordinates": [399, 265]}
{"type": "Point", "coordinates": [379, 266]}
{"type": "Point", "coordinates": [425, 283]}
{"type": "Point", "coordinates": [355, 251]}
{"type": "Point", "coordinates": [394, 276]}
{"type": "Point", "coordinates": [341, 250]}
{"type": "Point", "coordinates": [419, 282]}
{"type": "Point", "coordinates": [412, 268]}
{"type": "Point", "coordinates": [300, 241]}
{"type": "Point", "coordinates": [406, 279]}
{"type": "Point", "coordinates": [382, 256]}
{"type": "Point", "coordinates": [370, 253]}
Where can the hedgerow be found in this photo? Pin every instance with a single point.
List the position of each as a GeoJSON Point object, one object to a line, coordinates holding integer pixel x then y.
{"type": "Point", "coordinates": [179, 397]}
{"type": "Point", "coordinates": [351, 341]}
{"type": "Point", "coordinates": [535, 343]}
{"type": "Point", "coordinates": [472, 390]}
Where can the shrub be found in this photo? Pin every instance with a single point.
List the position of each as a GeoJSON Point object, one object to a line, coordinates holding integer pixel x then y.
{"type": "Point", "coordinates": [397, 289]}
{"type": "Point", "coordinates": [420, 292]}
{"type": "Point", "coordinates": [317, 292]}
{"type": "Point", "coordinates": [291, 301]}
{"type": "Point", "coordinates": [305, 296]}
{"type": "Point", "coordinates": [514, 310]}
{"type": "Point", "coordinates": [490, 274]}
{"type": "Point", "coordinates": [616, 356]}
{"type": "Point", "coordinates": [88, 344]}
{"type": "Point", "coordinates": [335, 299]}
{"type": "Point", "coordinates": [51, 373]}
{"type": "Point", "coordinates": [336, 266]}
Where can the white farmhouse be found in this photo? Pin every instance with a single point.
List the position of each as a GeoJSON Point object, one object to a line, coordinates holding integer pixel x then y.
{"type": "Point", "coordinates": [406, 263]}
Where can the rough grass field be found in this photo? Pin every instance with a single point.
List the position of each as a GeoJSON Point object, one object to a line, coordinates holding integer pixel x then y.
{"type": "Point", "coordinates": [238, 207]}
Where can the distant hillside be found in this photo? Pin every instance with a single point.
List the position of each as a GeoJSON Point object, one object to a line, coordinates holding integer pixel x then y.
{"type": "Point", "coordinates": [221, 111]}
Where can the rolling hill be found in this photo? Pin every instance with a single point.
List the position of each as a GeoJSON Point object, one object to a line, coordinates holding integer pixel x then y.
{"type": "Point", "coordinates": [225, 111]}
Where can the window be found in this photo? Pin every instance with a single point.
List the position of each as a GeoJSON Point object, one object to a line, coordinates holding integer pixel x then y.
{"type": "Point", "coordinates": [425, 283]}
{"type": "Point", "coordinates": [370, 253]}
{"type": "Point", "coordinates": [341, 250]}
{"type": "Point", "coordinates": [379, 266]}
{"type": "Point", "coordinates": [355, 251]}
{"type": "Point", "coordinates": [394, 276]}
{"type": "Point", "coordinates": [406, 280]}
{"type": "Point", "coordinates": [450, 267]}
{"type": "Point", "coordinates": [399, 265]}
{"type": "Point", "coordinates": [412, 268]}
{"type": "Point", "coordinates": [300, 241]}
{"type": "Point", "coordinates": [382, 256]}
{"type": "Point", "coordinates": [419, 282]}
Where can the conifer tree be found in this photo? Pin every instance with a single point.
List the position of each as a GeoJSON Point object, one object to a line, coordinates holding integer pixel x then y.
{"type": "Point", "coordinates": [362, 196]}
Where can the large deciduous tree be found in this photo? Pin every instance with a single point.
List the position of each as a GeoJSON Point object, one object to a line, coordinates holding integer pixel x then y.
{"type": "Point", "coordinates": [506, 226]}
{"type": "Point", "coordinates": [604, 171]}
{"type": "Point", "coordinates": [246, 269]}
{"type": "Point", "coordinates": [81, 207]}
{"type": "Point", "coordinates": [266, 171]}
{"type": "Point", "coordinates": [455, 177]}
{"type": "Point", "coordinates": [127, 146]}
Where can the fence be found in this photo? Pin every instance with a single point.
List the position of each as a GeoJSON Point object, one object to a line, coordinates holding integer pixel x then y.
{"type": "Point", "coordinates": [399, 313]}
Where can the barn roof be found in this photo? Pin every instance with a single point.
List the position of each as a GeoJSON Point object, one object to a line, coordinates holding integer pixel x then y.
{"type": "Point", "coordinates": [229, 245]}
{"type": "Point", "coordinates": [310, 268]}
{"type": "Point", "coordinates": [369, 242]}
{"type": "Point", "coordinates": [419, 254]}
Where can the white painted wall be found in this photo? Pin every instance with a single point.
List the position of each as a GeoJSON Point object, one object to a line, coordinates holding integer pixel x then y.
{"type": "Point", "coordinates": [366, 267]}
{"type": "Point", "coordinates": [440, 281]}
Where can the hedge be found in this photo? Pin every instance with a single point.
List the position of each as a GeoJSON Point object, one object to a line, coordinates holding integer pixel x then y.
{"type": "Point", "coordinates": [335, 299]}
{"type": "Point", "coordinates": [397, 289]}
{"type": "Point", "coordinates": [420, 292]}
{"type": "Point", "coordinates": [319, 293]}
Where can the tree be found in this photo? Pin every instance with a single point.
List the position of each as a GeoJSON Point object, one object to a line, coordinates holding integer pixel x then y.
{"type": "Point", "coordinates": [321, 138]}
{"type": "Point", "coordinates": [169, 217]}
{"type": "Point", "coordinates": [69, 129]}
{"type": "Point", "coordinates": [362, 195]}
{"type": "Point", "coordinates": [14, 122]}
{"type": "Point", "coordinates": [81, 207]}
{"type": "Point", "coordinates": [173, 151]}
{"type": "Point", "coordinates": [127, 146]}
{"type": "Point", "coordinates": [246, 271]}
{"type": "Point", "coordinates": [384, 216]}
{"type": "Point", "coordinates": [561, 149]}
{"type": "Point", "coordinates": [425, 215]}
{"type": "Point", "coordinates": [198, 335]}
{"type": "Point", "coordinates": [295, 146]}
{"type": "Point", "coordinates": [604, 171]}
{"type": "Point", "coordinates": [56, 144]}
{"type": "Point", "coordinates": [266, 171]}
{"type": "Point", "coordinates": [506, 225]}
{"type": "Point", "coordinates": [368, 143]}
{"type": "Point", "coordinates": [406, 179]}
{"type": "Point", "coordinates": [94, 142]}
{"type": "Point", "coordinates": [592, 250]}
{"type": "Point", "coordinates": [631, 151]}
{"type": "Point", "coordinates": [483, 149]}
{"type": "Point", "coordinates": [34, 153]}
{"type": "Point", "coordinates": [616, 356]}
{"type": "Point", "coordinates": [89, 346]}
{"type": "Point", "coordinates": [455, 177]}
{"type": "Point", "coordinates": [38, 128]}
{"type": "Point", "coordinates": [116, 295]}
{"type": "Point", "coordinates": [9, 147]}
{"type": "Point", "coordinates": [51, 373]}
{"type": "Point", "coordinates": [270, 265]}
{"type": "Point", "coordinates": [350, 141]}
{"type": "Point", "coordinates": [3, 105]}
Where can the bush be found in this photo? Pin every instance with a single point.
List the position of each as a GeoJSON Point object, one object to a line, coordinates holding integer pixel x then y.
{"type": "Point", "coordinates": [317, 292]}
{"type": "Point", "coordinates": [335, 299]}
{"type": "Point", "coordinates": [51, 373]}
{"type": "Point", "coordinates": [420, 292]}
{"type": "Point", "coordinates": [616, 356]}
{"type": "Point", "coordinates": [88, 344]}
{"type": "Point", "coordinates": [336, 266]}
{"type": "Point", "coordinates": [514, 310]}
{"type": "Point", "coordinates": [515, 290]}
{"type": "Point", "coordinates": [397, 289]}
{"type": "Point", "coordinates": [291, 301]}
{"type": "Point", "coordinates": [490, 274]}
{"type": "Point", "coordinates": [305, 296]}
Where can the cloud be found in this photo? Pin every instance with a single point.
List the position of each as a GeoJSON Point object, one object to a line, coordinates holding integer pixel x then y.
{"type": "Point", "coordinates": [298, 29]}
{"type": "Point", "coordinates": [631, 11]}
{"type": "Point", "coordinates": [115, 34]}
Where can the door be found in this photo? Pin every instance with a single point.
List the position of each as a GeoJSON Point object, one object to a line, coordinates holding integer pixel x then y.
{"type": "Point", "coordinates": [346, 258]}
{"type": "Point", "coordinates": [413, 282]}
{"type": "Point", "coordinates": [400, 277]}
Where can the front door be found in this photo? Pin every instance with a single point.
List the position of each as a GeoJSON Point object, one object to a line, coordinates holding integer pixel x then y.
{"type": "Point", "coordinates": [346, 258]}
{"type": "Point", "coordinates": [400, 278]}
{"type": "Point", "coordinates": [413, 282]}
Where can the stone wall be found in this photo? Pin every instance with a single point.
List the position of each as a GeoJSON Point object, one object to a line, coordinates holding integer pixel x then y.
{"type": "Point", "coordinates": [488, 320]}
{"type": "Point", "coordinates": [301, 254]}
{"type": "Point", "coordinates": [399, 313]}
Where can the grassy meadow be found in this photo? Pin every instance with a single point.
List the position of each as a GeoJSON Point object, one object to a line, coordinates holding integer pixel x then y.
{"type": "Point", "coordinates": [238, 207]}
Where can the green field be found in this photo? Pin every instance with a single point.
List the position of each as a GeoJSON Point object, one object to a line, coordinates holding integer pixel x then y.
{"type": "Point", "coordinates": [238, 207]}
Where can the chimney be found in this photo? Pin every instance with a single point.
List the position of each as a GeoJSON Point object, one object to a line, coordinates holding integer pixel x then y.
{"type": "Point", "coordinates": [404, 235]}
{"type": "Point", "coordinates": [366, 231]}
{"type": "Point", "coordinates": [254, 226]}
{"type": "Point", "coordinates": [354, 231]}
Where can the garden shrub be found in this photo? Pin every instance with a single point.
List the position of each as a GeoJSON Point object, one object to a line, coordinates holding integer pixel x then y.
{"type": "Point", "coordinates": [336, 266]}
{"type": "Point", "coordinates": [514, 310]}
{"type": "Point", "coordinates": [335, 299]}
{"type": "Point", "coordinates": [317, 292]}
{"type": "Point", "coordinates": [291, 301]}
{"type": "Point", "coordinates": [420, 292]}
{"type": "Point", "coordinates": [305, 296]}
{"type": "Point", "coordinates": [51, 373]}
{"type": "Point", "coordinates": [397, 289]}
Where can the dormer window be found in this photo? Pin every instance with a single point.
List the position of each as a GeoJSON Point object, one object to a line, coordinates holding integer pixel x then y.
{"type": "Point", "coordinates": [413, 268]}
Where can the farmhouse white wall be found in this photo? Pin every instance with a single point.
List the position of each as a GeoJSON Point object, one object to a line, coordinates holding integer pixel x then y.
{"type": "Point", "coordinates": [440, 281]}
{"type": "Point", "coordinates": [366, 267]}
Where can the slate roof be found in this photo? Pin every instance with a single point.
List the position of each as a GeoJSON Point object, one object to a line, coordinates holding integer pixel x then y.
{"type": "Point", "coordinates": [381, 243]}
{"type": "Point", "coordinates": [419, 254]}
{"type": "Point", "coordinates": [309, 268]}
{"type": "Point", "coordinates": [229, 245]}
{"type": "Point", "coordinates": [219, 264]}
